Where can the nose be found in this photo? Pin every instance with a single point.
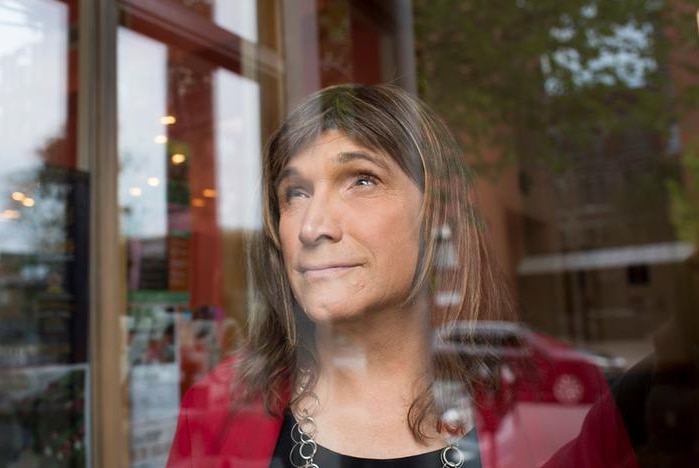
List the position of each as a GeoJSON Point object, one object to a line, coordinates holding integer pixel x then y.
{"type": "Point", "coordinates": [320, 222]}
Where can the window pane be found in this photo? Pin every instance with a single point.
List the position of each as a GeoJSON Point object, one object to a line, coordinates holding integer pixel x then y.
{"type": "Point", "coordinates": [189, 150]}
{"type": "Point", "coordinates": [43, 240]}
{"type": "Point", "coordinates": [238, 16]}
{"type": "Point", "coordinates": [576, 117]}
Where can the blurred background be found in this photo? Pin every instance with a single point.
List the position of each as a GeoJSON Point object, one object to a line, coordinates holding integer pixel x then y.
{"type": "Point", "coordinates": [130, 142]}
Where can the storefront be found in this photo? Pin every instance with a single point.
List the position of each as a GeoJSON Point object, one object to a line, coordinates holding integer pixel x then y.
{"type": "Point", "coordinates": [132, 136]}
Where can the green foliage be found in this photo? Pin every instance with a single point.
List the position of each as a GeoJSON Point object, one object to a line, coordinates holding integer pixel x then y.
{"type": "Point", "coordinates": [684, 197]}
{"type": "Point", "coordinates": [522, 76]}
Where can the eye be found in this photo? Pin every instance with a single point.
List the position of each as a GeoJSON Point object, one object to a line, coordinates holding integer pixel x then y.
{"type": "Point", "coordinates": [295, 192]}
{"type": "Point", "coordinates": [365, 180]}
{"type": "Point", "coordinates": [290, 193]}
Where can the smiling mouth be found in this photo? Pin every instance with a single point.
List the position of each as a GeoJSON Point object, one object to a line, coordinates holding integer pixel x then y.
{"type": "Point", "coordinates": [326, 271]}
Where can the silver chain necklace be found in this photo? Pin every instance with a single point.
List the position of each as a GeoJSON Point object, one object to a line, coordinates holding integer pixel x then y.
{"type": "Point", "coordinates": [305, 447]}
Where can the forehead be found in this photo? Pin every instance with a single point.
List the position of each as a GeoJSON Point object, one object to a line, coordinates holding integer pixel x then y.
{"type": "Point", "coordinates": [335, 147]}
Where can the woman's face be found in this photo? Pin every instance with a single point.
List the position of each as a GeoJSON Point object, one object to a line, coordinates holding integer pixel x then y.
{"type": "Point", "coordinates": [349, 228]}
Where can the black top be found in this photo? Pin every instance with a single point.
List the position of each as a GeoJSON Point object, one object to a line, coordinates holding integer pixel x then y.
{"type": "Point", "coordinates": [326, 458]}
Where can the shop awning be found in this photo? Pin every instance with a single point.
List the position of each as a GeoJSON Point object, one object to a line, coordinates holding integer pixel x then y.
{"type": "Point", "coordinates": [619, 257]}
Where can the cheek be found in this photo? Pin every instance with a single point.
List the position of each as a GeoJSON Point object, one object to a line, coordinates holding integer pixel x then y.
{"type": "Point", "coordinates": [408, 252]}
{"type": "Point", "coordinates": [286, 237]}
{"type": "Point", "coordinates": [400, 243]}
{"type": "Point", "coordinates": [408, 256]}
{"type": "Point", "coordinates": [287, 246]}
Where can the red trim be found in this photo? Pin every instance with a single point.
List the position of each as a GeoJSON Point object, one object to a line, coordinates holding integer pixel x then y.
{"type": "Point", "coordinates": [178, 26]}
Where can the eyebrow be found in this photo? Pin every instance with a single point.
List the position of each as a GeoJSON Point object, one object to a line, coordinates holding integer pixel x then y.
{"type": "Point", "coordinates": [349, 156]}
{"type": "Point", "coordinates": [344, 157]}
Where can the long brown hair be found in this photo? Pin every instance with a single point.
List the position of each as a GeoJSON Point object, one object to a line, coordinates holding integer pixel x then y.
{"type": "Point", "coordinates": [453, 256]}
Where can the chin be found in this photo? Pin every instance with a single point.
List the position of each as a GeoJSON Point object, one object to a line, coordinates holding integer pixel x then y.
{"type": "Point", "coordinates": [336, 311]}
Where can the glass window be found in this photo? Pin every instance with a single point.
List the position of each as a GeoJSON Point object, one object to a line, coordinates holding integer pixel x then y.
{"type": "Point", "coordinates": [587, 104]}
{"type": "Point", "coordinates": [577, 118]}
{"type": "Point", "coordinates": [44, 209]}
{"type": "Point", "coordinates": [189, 143]}
{"type": "Point", "coordinates": [238, 17]}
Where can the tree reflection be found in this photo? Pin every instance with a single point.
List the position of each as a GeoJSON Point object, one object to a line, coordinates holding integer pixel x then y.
{"type": "Point", "coordinates": [517, 76]}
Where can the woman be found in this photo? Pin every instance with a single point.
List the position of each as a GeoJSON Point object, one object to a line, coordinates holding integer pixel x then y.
{"type": "Point", "coordinates": [368, 216]}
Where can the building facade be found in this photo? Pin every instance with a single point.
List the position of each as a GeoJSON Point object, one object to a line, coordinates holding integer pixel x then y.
{"type": "Point", "coordinates": [131, 169]}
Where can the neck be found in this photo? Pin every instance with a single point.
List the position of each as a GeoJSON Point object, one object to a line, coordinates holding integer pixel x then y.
{"type": "Point", "coordinates": [391, 344]}
{"type": "Point", "coordinates": [370, 371]}
{"type": "Point", "coordinates": [391, 347]}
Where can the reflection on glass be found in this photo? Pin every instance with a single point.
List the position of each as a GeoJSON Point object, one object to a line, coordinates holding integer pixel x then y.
{"type": "Point", "coordinates": [189, 149]}
{"type": "Point", "coordinates": [578, 119]}
{"type": "Point", "coordinates": [142, 136]}
{"type": "Point", "coordinates": [43, 243]}
{"type": "Point", "coordinates": [144, 121]}
{"type": "Point", "coordinates": [238, 16]}
{"type": "Point", "coordinates": [33, 82]}
{"type": "Point", "coordinates": [237, 106]}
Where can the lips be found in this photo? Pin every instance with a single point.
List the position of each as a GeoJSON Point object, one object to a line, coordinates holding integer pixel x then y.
{"type": "Point", "coordinates": [326, 270]}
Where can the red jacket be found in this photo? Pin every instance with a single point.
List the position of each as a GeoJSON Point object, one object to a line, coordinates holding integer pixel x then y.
{"type": "Point", "coordinates": [210, 435]}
